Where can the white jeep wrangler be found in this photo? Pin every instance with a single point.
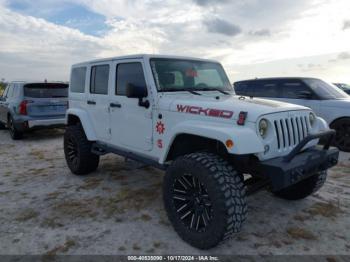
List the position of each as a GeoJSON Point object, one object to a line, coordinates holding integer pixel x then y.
{"type": "Point", "coordinates": [181, 115]}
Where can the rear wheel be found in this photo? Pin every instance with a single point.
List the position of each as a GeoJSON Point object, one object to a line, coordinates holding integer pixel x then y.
{"type": "Point", "coordinates": [342, 137]}
{"type": "Point", "coordinates": [303, 188]}
{"type": "Point", "coordinates": [14, 133]}
{"type": "Point", "coordinates": [204, 198]}
{"type": "Point", "coordinates": [77, 150]}
{"type": "Point", "coordinates": [2, 126]}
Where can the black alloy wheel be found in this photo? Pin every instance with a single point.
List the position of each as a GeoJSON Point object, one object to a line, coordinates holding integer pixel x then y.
{"type": "Point", "coordinates": [192, 203]}
{"type": "Point", "coordinates": [72, 151]}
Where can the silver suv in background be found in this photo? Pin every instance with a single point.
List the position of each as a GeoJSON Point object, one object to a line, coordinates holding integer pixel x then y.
{"type": "Point", "coordinates": [33, 105]}
{"type": "Point", "coordinates": [326, 100]}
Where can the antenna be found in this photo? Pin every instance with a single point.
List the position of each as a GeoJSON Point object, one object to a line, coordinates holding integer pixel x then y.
{"type": "Point", "coordinates": [152, 42]}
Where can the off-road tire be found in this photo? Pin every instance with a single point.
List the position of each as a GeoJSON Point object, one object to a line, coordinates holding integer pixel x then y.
{"type": "Point", "coordinates": [225, 190]}
{"type": "Point", "coordinates": [2, 126]}
{"type": "Point", "coordinates": [342, 136]}
{"type": "Point", "coordinates": [303, 188]}
{"type": "Point", "coordinates": [77, 150]}
{"type": "Point", "coordinates": [14, 133]}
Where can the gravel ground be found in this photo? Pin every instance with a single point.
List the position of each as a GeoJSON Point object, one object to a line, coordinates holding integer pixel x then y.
{"type": "Point", "coordinates": [118, 209]}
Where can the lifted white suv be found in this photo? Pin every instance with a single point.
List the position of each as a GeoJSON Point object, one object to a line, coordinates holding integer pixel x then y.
{"type": "Point", "coordinates": [180, 114]}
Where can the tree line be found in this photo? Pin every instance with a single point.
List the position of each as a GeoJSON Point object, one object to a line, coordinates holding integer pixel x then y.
{"type": "Point", "coordinates": [3, 85]}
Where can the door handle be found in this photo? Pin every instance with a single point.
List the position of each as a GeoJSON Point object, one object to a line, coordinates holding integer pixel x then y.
{"type": "Point", "coordinates": [115, 105]}
{"type": "Point", "coordinates": [89, 102]}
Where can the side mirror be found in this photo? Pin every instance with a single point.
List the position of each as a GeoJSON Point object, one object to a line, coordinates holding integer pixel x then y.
{"type": "Point", "coordinates": [139, 92]}
{"type": "Point", "coordinates": [305, 95]}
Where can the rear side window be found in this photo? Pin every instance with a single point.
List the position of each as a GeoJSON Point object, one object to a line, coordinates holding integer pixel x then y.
{"type": "Point", "coordinates": [258, 88]}
{"type": "Point", "coordinates": [129, 73]}
{"type": "Point", "coordinates": [45, 90]}
{"type": "Point", "coordinates": [10, 91]}
{"type": "Point", "coordinates": [99, 79]}
{"type": "Point", "coordinates": [6, 91]}
{"type": "Point", "coordinates": [77, 81]}
{"type": "Point", "coordinates": [15, 92]}
{"type": "Point", "coordinates": [245, 88]}
{"type": "Point", "coordinates": [267, 89]}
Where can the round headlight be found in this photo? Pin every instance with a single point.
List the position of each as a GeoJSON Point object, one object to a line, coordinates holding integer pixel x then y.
{"type": "Point", "coordinates": [263, 125]}
{"type": "Point", "coordinates": [312, 118]}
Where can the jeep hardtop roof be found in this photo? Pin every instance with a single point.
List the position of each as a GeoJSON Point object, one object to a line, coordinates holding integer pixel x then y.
{"type": "Point", "coordinates": [142, 56]}
{"type": "Point", "coordinates": [37, 82]}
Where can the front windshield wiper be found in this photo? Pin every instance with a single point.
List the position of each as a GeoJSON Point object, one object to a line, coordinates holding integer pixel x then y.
{"type": "Point", "coordinates": [182, 89]}
{"type": "Point", "coordinates": [217, 89]}
{"type": "Point", "coordinates": [192, 92]}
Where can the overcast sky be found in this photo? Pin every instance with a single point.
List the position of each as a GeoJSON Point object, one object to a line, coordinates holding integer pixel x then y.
{"type": "Point", "coordinates": [252, 38]}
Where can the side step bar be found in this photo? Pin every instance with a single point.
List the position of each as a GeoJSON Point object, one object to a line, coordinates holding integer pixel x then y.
{"type": "Point", "coordinates": [101, 149]}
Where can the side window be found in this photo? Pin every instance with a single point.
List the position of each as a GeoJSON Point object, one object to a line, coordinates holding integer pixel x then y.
{"type": "Point", "coordinates": [99, 79]}
{"type": "Point", "coordinates": [293, 89]}
{"type": "Point", "coordinates": [247, 88]}
{"type": "Point", "coordinates": [241, 88]}
{"type": "Point", "coordinates": [129, 73]}
{"type": "Point", "coordinates": [267, 89]}
{"type": "Point", "coordinates": [6, 91]}
{"type": "Point", "coordinates": [77, 81]}
{"type": "Point", "coordinates": [10, 91]}
{"type": "Point", "coordinates": [16, 90]}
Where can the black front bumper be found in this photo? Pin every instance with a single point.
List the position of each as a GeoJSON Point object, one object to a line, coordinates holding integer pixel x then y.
{"type": "Point", "coordinates": [299, 165]}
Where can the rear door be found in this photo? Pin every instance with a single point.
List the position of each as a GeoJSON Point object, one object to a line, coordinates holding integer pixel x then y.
{"type": "Point", "coordinates": [98, 101]}
{"type": "Point", "coordinates": [46, 99]}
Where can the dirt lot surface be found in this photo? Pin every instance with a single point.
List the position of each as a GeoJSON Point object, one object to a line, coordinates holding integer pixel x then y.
{"type": "Point", "coordinates": [119, 210]}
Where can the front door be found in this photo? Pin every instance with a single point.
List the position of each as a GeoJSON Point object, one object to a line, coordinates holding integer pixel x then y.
{"type": "Point", "coordinates": [131, 124]}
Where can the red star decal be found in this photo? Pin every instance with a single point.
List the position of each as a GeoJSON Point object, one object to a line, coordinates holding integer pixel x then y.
{"type": "Point", "coordinates": [160, 127]}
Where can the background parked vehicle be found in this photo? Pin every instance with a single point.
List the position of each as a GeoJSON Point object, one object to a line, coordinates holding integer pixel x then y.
{"type": "Point", "coordinates": [344, 87]}
{"type": "Point", "coordinates": [327, 101]}
{"type": "Point", "coordinates": [33, 105]}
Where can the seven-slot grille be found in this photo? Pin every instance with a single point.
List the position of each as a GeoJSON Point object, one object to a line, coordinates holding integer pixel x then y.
{"type": "Point", "coordinates": [290, 131]}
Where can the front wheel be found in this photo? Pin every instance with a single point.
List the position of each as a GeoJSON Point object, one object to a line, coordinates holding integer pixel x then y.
{"type": "Point", "coordinates": [204, 198]}
{"type": "Point", "coordinates": [77, 150]}
{"type": "Point", "coordinates": [303, 188]}
{"type": "Point", "coordinates": [342, 136]}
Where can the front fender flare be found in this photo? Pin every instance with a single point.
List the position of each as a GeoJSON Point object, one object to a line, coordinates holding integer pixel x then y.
{"type": "Point", "coordinates": [85, 121]}
{"type": "Point", "coordinates": [245, 139]}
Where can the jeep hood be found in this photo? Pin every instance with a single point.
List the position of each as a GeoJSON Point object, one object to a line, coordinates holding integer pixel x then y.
{"type": "Point", "coordinates": [255, 107]}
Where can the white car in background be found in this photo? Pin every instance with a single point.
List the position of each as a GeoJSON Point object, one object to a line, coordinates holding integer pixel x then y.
{"type": "Point", "coordinates": [326, 100]}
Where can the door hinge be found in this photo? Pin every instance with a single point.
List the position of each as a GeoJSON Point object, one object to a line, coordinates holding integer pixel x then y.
{"type": "Point", "coordinates": [110, 131]}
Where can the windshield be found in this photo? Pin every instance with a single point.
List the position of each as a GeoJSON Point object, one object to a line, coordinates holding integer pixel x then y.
{"type": "Point", "coordinates": [46, 90]}
{"type": "Point", "coordinates": [344, 87]}
{"type": "Point", "coordinates": [325, 90]}
{"type": "Point", "coordinates": [181, 75]}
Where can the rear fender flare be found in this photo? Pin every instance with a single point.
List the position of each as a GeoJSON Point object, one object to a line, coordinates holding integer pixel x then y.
{"type": "Point", "coordinates": [85, 122]}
